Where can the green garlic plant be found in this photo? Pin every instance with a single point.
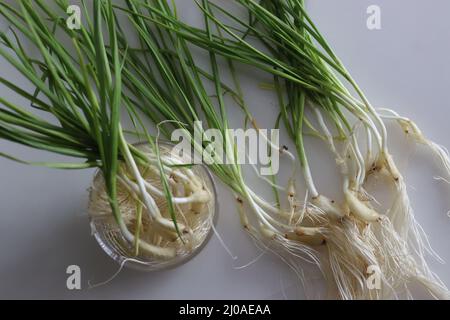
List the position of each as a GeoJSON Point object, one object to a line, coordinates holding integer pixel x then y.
{"type": "Point", "coordinates": [315, 95]}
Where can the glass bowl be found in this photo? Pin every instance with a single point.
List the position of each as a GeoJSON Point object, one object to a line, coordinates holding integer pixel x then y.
{"type": "Point", "coordinates": [107, 233]}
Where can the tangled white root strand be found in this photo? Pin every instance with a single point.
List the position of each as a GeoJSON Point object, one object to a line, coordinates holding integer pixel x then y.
{"type": "Point", "coordinates": [404, 269]}
{"type": "Point", "coordinates": [355, 247]}
{"type": "Point", "coordinates": [292, 253]}
{"type": "Point", "coordinates": [353, 252]}
{"type": "Point", "coordinates": [440, 152]}
{"type": "Point", "coordinates": [393, 243]}
{"type": "Point", "coordinates": [345, 260]}
{"type": "Point", "coordinates": [401, 214]}
{"type": "Point", "coordinates": [290, 235]}
{"type": "Point", "coordinates": [403, 242]}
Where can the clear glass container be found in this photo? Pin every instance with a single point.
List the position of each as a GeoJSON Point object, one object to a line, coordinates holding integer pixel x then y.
{"type": "Point", "coordinates": [108, 235]}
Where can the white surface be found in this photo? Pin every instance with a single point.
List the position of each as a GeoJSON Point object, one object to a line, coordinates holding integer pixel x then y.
{"type": "Point", "coordinates": [406, 66]}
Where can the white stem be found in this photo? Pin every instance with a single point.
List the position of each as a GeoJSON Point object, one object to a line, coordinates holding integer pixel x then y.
{"type": "Point", "coordinates": [199, 197]}
{"type": "Point", "coordinates": [369, 148]}
{"type": "Point", "coordinates": [309, 181]}
{"type": "Point", "coordinates": [325, 130]}
{"type": "Point", "coordinates": [263, 217]}
{"type": "Point", "coordinates": [361, 173]}
{"type": "Point", "coordinates": [267, 180]}
{"type": "Point", "coordinates": [149, 202]}
{"type": "Point", "coordinates": [264, 204]}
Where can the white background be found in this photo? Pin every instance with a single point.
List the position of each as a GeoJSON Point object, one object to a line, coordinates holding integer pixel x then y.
{"type": "Point", "coordinates": [405, 66]}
